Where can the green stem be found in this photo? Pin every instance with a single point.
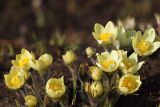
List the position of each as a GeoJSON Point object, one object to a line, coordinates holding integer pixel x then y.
{"type": "Point", "coordinates": [105, 47]}
{"type": "Point", "coordinates": [61, 103]}
{"type": "Point", "coordinates": [36, 89]}
{"type": "Point", "coordinates": [42, 78]}
{"type": "Point", "coordinates": [92, 103]}
{"type": "Point", "coordinates": [74, 77]}
{"type": "Point", "coordinates": [116, 45]}
{"type": "Point", "coordinates": [22, 93]}
{"type": "Point", "coordinates": [54, 103]}
{"type": "Point", "coordinates": [93, 61]}
{"type": "Point", "coordinates": [29, 87]}
{"type": "Point", "coordinates": [45, 101]}
{"type": "Point", "coordinates": [112, 79]}
{"type": "Point", "coordinates": [17, 103]}
{"type": "Point", "coordinates": [104, 98]}
{"type": "Point", "coordinates": [113, 101]}
{"type": "Point", "coordinates": [108, 82]}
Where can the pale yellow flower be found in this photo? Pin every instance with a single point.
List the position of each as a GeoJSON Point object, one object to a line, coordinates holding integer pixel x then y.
{"type": "Point", "coordinates": [55, 88]}
{"type": "Point", "coordinates": [14, 80]}
{"type": "Point", "coordinates": [124, 37]}
{"type": "Point", "coordinates": [145, 45]}
{"type": "Point", "coordinates": [129, 84]}
{"type": "Point", "coordinates": [105, 34]}
{"type": "Point", "coordinates": [108, 62]}
{"type": "Point", "coordinates": [25, 73]}
{"type": "Point", "coordinates": [30, 101]}
{"type": "Point", "coordinates": [23, 60]}
{"type": "Point", "coordinates": [129, 65]}
{"type": "Point", "coordinates": [69, 57]}
{"type": "Point", "coordinates": [42, 63]}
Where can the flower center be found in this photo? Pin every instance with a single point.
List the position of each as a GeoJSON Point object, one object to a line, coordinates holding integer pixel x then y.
{"type": "Point", "coordinates": [55, 86]}
{"type": "Point", "coordinates": [128, 64]}
{"type": "Point", "coordinates": [23, 61]}
{"type": "Point", "coordinates": [108, 63]}
{"type": "Point", "coordinates": [15, 81]}
{"type": "Point", "coordinates": [143, 46]}
{"type": "Point", "coordinates": [129, 83]}
{"type": "Point", "coordinates": [105, 36]}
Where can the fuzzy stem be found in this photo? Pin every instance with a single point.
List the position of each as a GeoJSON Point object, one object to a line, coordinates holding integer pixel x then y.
{"type": "Point", "coordinates": [74, 78]}
{"type": "Point", "coordinates": [92, 103]}
{"type": "Point", "coordinates": [93, 61]}
{"type": "Point", "coordinates": [61, 103]}
{"type": "Point", "coordinates": [17, 103]}
{"type": "Point", "coordinates": [16, 100]}
{"type": "Point", "coordinates": [29, 87]}
{"type": "Point", "coordinates": [36, 88]}
{"type": "Point", "coordinates": [45, 101]}
{"type": "Point", "coordinates": [113, 101]}
{"type": "Point", "coordinates": [105, 47]}
{"type": "Point", "coordinates": [54, 103]}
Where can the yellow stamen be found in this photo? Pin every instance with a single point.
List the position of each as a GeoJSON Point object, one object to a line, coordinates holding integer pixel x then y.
{"type": "Point", "coordinates": [15, 81]}
{"type": "Point", "coordinates": [23, 61]}
{"type": "Point", "coordinates": [127, 64]}
{"type": "Point", "coordinates": [143, 46]}
{"type": "Point", "coordinates": [105, 36]}
{"type": "Point", "coordinates": [55, 86]}
{"type": "Point", "coordinates": [107, 64]}
{"type": "Point", "coordinates": [129, 83]}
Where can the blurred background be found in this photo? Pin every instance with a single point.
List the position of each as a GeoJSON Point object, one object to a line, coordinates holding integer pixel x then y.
{"type": "Point", "coordinates": [34, 24]}
{"type": "Point", "coordinates": [58, 25]}
{"type": "Point", "coordinates": [28, 19]}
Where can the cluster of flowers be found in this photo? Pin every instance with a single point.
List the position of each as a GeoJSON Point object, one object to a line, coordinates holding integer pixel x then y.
{"type": "Point", "coordinates": [19, 74]}
{"type": "Point", "coordinates": [116, 59]}
{"type": "Point", "coordinates": [107, 64]}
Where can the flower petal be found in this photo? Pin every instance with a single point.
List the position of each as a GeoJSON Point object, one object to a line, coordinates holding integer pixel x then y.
{"type": "Point", "coordinates": [133, 56]}
{"type": "Point", "coordinates": [149, 35]}
{"type": "Point", "coordinates": [109, 27]}
{"type": "Point", "coordinates": [140, 64]}
{"type": "Point", "coordinates": [136, 39]}
{"type": "Point", "coordinates": [114, 55]}
{"type": "Point", "coordinates": [155, 46]}
{"type": "Point", "coordinates": [97, 31]}
{"type": "Point", "coordinates": [98, 28]}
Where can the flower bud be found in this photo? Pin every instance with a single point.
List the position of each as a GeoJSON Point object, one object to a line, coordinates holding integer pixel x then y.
{"type": "Point", "coordinates": [129, 65]}
{"type": "Point", "coordinates": [69, 57]}
{"type": "Point", "coordinates": [23, 60]}
{"type": "Point", "coordinates": [145, 45]}
{"type": "Point", "coordinates": [96, 73]}
{"type": "Point", "coordinates": [108, 62]}
{"type": "Point", "coordinates": [89, 52]}
{"type": "Point", "coordinates": [96, 89]}
{"type": "Point", "coordinates": [25, 73]}
{"type": "Point", "coordinates": [105, 34]}
{"type": "Point", "coordinates": [30, 101]}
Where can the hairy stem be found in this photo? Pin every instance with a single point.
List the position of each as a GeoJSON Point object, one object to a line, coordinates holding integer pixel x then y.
{"type": "Point", "coordinates": [74, 78]}
{"type": "Point", "coordinates": [35, 86]}
{"type": "Point", "coordinates": [45, 101]}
